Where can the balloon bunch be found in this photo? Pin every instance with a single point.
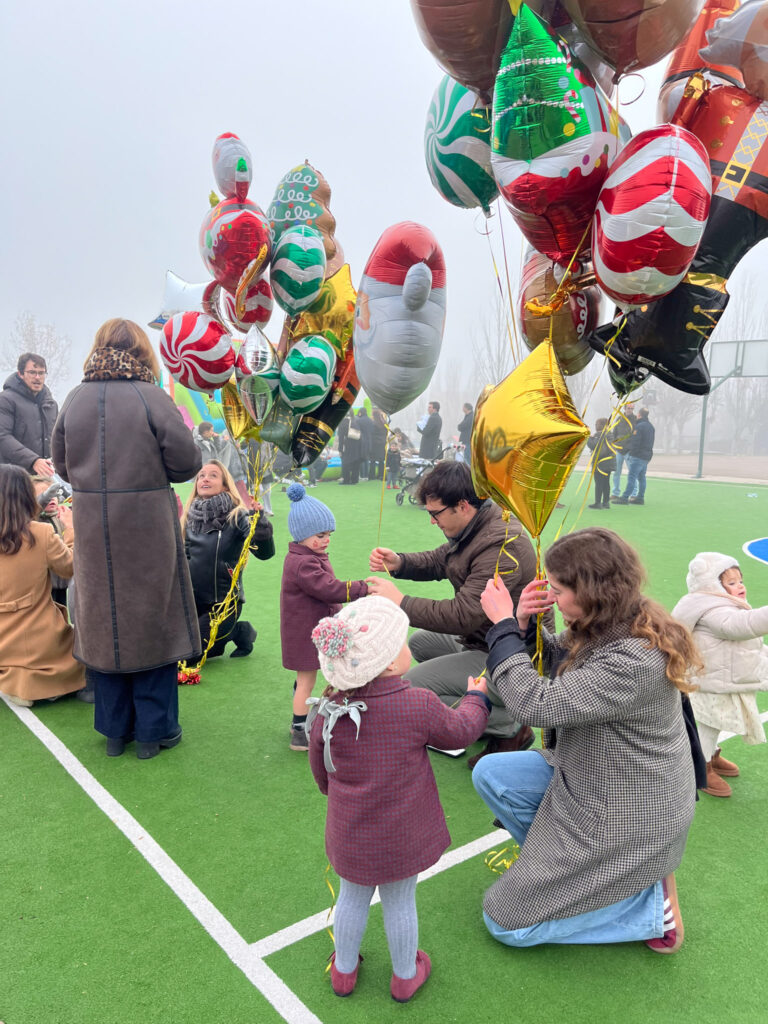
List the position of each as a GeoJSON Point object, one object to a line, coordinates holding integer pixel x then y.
{"type": "Point", "coordinates": [296, 392]}
{"type": "Point", "coordinates": [656, 223]}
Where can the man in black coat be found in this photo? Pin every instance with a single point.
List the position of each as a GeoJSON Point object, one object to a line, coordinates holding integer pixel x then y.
{"type": "Point", "coordinates": [430, 446]}
{"type": "Point", "coordinates": [27, 415]}
{"type": "Point", "coordinates": [639, 451]}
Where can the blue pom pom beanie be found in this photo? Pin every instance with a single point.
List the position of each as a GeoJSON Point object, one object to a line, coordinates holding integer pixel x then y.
{"type": "Point", "coordinates": [307, 516]}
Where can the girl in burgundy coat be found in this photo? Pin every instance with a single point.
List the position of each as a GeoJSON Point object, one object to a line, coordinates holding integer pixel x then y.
{"type": "Point", "coordinates": [368, 753]}
{"type": "Point", "coordinates": [309, 592]}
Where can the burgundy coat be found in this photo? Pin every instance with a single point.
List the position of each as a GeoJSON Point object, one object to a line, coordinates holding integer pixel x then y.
{"type": "Point", "coordinates": [385, 821]}
{"type": "Point", "coordinates": [308, 593]}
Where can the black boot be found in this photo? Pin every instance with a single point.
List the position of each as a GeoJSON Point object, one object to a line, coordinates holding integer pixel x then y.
{"type": "Point", "coordinates": [243, 636]}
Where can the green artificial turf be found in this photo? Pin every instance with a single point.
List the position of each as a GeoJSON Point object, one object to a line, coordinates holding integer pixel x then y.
{"type": "Point", "coordinates": [89, 934]}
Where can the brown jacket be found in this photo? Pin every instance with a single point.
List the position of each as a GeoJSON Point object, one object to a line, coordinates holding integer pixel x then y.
{"type": "Point", "coordinates": [469, 565]}
{"type": "Point", "coordinates": [35, 639]}
{"type": "Point", "coordinates": [119, 443]}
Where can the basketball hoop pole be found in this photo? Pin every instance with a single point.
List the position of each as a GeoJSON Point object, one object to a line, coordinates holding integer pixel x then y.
{"type": "Point", "coordinates": [735, 372]}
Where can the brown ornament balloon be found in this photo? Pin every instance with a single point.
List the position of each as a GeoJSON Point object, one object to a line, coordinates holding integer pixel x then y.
{"type": "Point", "coordinates": [466, 38]}
{"type": "Point", "coordinates": [569, 324]}
{"type": "Point", "coordinates": [633, 34]}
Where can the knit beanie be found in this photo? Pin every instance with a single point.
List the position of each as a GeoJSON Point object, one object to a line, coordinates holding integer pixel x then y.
{"type": "Point", "coordinates": [307, 516]}
{"type": "Point", "coordinates": [357, 644]}
{"type": "Point", "coordinates": [705, 571]}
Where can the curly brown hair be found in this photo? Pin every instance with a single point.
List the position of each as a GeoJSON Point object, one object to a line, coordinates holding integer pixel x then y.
{"type": "Point", "coordinates": [607, 577]}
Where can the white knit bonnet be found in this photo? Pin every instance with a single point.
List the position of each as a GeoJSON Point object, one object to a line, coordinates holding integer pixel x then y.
{"type": "Point", "coordinates": [357, 644]}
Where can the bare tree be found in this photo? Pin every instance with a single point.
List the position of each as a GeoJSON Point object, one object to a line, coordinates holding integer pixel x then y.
{"type": "Point", "coordinates": [28, 335]}
{"type": "Point", "coordinates": [495, 344]}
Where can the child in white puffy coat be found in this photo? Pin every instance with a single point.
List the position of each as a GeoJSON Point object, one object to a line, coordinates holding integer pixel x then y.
{"type": "Point", "coordinates": [728, 634]}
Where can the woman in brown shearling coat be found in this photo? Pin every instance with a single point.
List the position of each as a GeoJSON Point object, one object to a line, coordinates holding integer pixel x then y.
{"type": "Point", "coordinates": [119, 441]}
{"type": "Point", "coordinates": [35, 639]}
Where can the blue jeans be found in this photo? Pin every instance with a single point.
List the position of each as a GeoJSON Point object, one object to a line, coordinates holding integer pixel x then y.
{"type": "Point", "coordinates": [620, 459]}
{"type": "Point", "coordinates": [635, 477]}
{"type": "Point", "coordinates": [513, 785]}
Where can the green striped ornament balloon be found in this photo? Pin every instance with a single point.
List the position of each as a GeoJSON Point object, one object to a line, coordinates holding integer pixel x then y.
{"type": "Point", "coordinates": [457, 147]}
{"type": "Point", "coordinates": [298, 269]}
{"type": "Point", "coordinates": [307, 373]}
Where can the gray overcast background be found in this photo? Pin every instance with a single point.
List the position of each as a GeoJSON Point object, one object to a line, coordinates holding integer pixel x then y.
{"type": "Point", "coordinates": [109, 117]}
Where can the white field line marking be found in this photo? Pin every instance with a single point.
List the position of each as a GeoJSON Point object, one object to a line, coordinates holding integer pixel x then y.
{"type": "Point", "coordinates": [263, 978]}
{"type": "Point", "coordinates": [316, 923]}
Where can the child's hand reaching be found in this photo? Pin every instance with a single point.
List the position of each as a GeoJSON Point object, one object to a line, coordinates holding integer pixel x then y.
{"type": "Point", "coordinates": [478, 685]}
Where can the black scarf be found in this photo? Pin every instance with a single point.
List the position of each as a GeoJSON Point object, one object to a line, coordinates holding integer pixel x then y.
{"type": "Point", "coordinates": [206, 514]}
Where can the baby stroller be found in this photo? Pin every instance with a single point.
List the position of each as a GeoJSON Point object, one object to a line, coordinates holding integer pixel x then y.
{"type": "Point", "coordinates": [412, 469]}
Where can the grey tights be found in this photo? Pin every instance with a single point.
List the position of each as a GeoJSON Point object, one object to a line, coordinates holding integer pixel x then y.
{"type": "Point", "coordinates": [401, 924]}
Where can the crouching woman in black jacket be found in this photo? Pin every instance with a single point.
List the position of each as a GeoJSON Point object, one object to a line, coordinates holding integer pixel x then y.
{"type": "Point", "coordinates": [215, 525]}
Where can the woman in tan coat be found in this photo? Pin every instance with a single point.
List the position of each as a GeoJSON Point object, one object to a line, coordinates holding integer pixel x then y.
{"type": "Point", "coordinates": [36, 659]}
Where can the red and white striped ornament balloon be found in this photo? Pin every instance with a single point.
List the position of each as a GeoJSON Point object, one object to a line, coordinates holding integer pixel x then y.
{"type": "Point", "coordinates": [197, 351]}
{"type": "Point", "coordinates": [651, 214]}
{"type": "Point", "coordinates": [258, 305]}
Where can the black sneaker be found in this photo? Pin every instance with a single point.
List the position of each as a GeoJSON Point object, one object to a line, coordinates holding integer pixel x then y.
{"type": "Point", "coordinates": [299, 739]}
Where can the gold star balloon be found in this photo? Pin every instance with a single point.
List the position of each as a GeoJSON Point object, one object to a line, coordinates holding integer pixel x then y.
{"type": "Point", "coordinates": [526, 439]}
{"type": "Point", "coordinates": [332, 314]}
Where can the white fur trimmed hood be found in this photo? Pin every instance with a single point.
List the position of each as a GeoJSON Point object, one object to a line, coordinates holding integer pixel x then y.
{"type": "Point", "coordinates": [705, 570]}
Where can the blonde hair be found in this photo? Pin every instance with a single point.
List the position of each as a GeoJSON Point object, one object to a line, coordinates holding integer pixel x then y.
{"type": "Point", "coordinates": [238, 506]}
{"type": "Point", "coordinates": [126, 336]}
{"type": "Point", "coordinates": [606, 576]}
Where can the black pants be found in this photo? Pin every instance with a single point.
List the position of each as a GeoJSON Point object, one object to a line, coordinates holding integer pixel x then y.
{"type": "Point", "coordinates": [602, 488]}
{"type": "Point", "coordinates": [350, 471]}
{"type": "Point", "coordinates": [227, 629]}
{"type": "Point", "coordinates": [140, 704]}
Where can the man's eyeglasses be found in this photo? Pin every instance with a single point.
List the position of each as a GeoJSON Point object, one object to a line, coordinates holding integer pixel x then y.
{"type": "Point", "coordinates": [435, 513]}
{"type": "Point", "coordinates": [34, 373]}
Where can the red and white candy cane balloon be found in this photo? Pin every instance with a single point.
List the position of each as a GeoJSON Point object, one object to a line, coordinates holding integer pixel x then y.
{"type": "Point", "coordinates": [258, 305]}
{"type": "Point", "coordinates": [651, 214]}
{"type": "Point", "coordinates": [197, 351]}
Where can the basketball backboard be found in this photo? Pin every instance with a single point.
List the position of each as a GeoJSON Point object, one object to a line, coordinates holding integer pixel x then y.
{"type": "Point", "coordinates": [738, 358]}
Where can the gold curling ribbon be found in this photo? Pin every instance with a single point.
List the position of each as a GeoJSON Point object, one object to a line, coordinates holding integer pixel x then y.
{"type": "Point", "coordinates": [502, 860]}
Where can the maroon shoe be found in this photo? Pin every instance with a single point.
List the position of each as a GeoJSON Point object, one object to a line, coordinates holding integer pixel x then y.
{"type": "Point", "coordinates": [522, 739]}
{"type": "Point", "coordinates": [672, 939]}
{"type": "Point", "coordinates": [402, 989]}
{"type": "Point", "coordinates": [343, 984]}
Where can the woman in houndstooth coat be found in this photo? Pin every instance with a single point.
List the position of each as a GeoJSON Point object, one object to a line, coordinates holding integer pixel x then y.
{"type": "Point", "coordinates": [602, 813]}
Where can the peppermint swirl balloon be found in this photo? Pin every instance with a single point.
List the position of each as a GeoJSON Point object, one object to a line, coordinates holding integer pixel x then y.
{"type": "Point", "coordinates": [298, 269]}
{"type": "Point", "coordinates": [457, 147]}
{"type": "Point", "coordinates": [197, 351]}
{"type": "Point", "coordinates": [307, 373]}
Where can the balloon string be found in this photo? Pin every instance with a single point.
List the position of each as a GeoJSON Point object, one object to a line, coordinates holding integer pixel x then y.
{"type": "Point", "coordinates": [538, 656]}
{"type": "Point", "coordinates": [516, 346]}
{"type": "Point", "coordinates": [501, 287]}
{"type": "Point", "coordinates": [504, 858]}
{"type": "Point", "coordinates": [328, 926]}
{"type": "Point", "coordinates": [383, 486]}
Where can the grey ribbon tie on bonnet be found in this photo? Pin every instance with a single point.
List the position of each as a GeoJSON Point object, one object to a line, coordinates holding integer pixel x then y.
{"type": "Point", "coordinates": [331, 712]}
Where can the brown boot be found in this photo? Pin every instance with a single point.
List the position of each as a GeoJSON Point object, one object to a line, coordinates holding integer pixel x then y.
{"type": "Point", "coordinates": [715, 785]}
{"type": "Point", "coordinates": [522, 739]}
{"type": "Point", "coordinates": [723, 767]}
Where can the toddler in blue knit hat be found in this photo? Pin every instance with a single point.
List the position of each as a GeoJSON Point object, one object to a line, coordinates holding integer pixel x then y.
{"type": "Point", "coordinates": [309, 592]}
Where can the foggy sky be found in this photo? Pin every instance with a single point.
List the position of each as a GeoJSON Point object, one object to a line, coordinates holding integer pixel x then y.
{"type": "Point", "coordinates": [109, 117]}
